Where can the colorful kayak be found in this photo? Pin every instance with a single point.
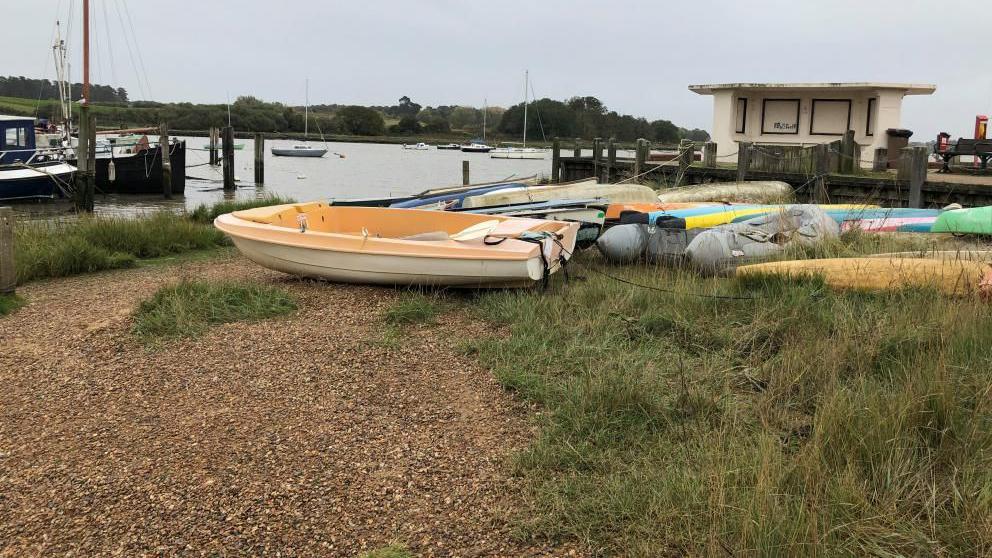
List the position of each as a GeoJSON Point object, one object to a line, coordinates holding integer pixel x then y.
{"type": "Point", "coordinates": [615, 209]}
{"type": "Point", "coordinates": [706, 216]}
{"type": "Point", "coordinates": [975, 220]}
{"type": "Point", "coordinates": [954, 277]}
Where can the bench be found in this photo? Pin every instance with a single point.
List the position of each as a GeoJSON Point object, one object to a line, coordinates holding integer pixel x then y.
{"type": "Point", "coordinates": [974, 147]}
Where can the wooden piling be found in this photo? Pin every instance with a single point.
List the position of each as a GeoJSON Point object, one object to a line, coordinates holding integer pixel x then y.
{"type": "Point", "coordinates": [163, 143]}
{"type": "Point", "coordinates": [555, 161]}
{"type": "Point", "coordinates": [687, 152]}
{"type": "Point", "coordinates": [577, 150]}
{"type": "Point", "coordinates": [744, 149]}
{"type": "Point", "coordinates": [640, 156]}
{"type": "Point", "coordinates": [8, 273]}
{"type": "Point", "coordinates": [228, 157]}
{"type": "Point", "coordinates": [821, 168]}
{"type": "Point", "coordinates": [259, 158]}
{"type": "Point", "coordinates": [881, 161]}
{"type": "Point", "coordinates": [917, 174]}
{"type": "Point", "coordinates": [846, 159]}
{"type": "Point", "coordinates": [596, 152]}
{"type": "Point", "coordinates": [212, 146]}
{"type": "Point", "coordinates": [465, 177]}
{"type": "Point", "coordinates": [85, 181]}
{"type": "Point", "coordinates": [709, 154]}
{"type": "Point", "coordinates": [611, 160]}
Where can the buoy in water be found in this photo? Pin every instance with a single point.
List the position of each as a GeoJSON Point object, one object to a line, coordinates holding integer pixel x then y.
{"type": "Point", "coordinates": [301, 176]}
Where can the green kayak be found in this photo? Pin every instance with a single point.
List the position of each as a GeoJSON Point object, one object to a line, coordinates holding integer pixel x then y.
{"type": "Point", "coordinates": [976, 220]}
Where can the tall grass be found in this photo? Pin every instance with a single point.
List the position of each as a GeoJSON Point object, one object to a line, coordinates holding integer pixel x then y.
{"type": "Point", "coordinates": [800, 421]}
{"type": "Point", "coordinates": [414, 308]}
{"type": "Point", "coordinates": [62, 248]}
{"type": "Point", "coordinates": [206, 213]}
{"type": "Point", "coordinates": [189, 307]}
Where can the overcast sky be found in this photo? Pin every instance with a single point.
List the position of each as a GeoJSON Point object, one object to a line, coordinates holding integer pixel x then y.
{"type": "Point", "coordinates": [637, 57]}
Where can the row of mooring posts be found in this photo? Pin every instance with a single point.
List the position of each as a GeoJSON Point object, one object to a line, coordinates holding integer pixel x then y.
{"type": "Point", "coordinates": [222, 139]}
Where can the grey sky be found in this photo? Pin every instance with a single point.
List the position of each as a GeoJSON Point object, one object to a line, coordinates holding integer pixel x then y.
{"type": "Point", "coordinates": [637, 57]}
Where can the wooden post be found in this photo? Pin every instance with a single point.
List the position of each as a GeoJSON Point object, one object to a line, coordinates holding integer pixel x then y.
{"type": "Point", "coordinates": [640, 157]}
{"type": "Point", "coordinates": [163, 144]}
{"type": "Point", "coordinates": [259, 158]}
{"type": "Point", "coordinates": [85, 161]}
{"type": "Point", "coordinates": [228, 157]}
{"type": "Point", "coordinates": [555, 161]}
{"type": "Point", "coordinates": [709, 154]}
{"type": "Point", "coordinates": [743, 159]}
{"type": "Point", "coordinates": [687, 152]}
{"type": "Point", "coordinates": [8, 273]}
{"type": "Point", "coordinates": [577, 151]}
{"type": "Point", "coordinates": [917, 174]}
{"type": "Point", "coordinates": [881, 162]}
{"type": "Point", "coordinates": [214, 136]}
{"type": "Point", "coordinates": [611, 160]}
{"type": "Point", "coordinates": [596, 152]}
{"type": "Point", "coordinates": [821, 168]}
{"type": "Point", "coordinates": [465, 180]}
{"type": "Point", "coordinates": [846, 161]}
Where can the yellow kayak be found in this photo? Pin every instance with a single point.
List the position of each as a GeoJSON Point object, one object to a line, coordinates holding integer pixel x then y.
{"type": "Point", "coordinates": [955, 277]}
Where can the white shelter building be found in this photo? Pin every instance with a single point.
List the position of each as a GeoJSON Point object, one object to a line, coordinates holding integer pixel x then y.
{"type": "Point", "coordinates": [806, 113]}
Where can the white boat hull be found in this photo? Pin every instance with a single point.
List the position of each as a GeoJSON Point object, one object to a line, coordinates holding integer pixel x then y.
{"type": "Point", "coordinates": [390, 269]}
{"type": "Point", "coordinates": [296, 152]}
{"type": "Point", "coordinates": [528, 154]}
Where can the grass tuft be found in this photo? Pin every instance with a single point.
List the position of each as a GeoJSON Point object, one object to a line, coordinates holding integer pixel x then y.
{"type": "Point", "coordinates": [10, 303]}
{"type": "Point", "coordinates": [188, 308]}
{"type": "Point", "coordinates": [206, 214]}
{"type": "Point", "coordinates": [393, 550]}
{"type": "Point", "coordinates": [414, 308]}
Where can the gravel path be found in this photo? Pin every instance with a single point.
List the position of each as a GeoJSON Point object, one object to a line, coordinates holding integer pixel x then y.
{"type": "Point", "coordinates": [303, 435]}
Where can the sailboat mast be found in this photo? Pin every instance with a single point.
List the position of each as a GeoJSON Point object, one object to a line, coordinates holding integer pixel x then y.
{"type": "Point", "coordinates": [306, 111]}
{"type": "Point", "coordinates": [485, 109]}
{"type": "Point", "coordinates": [526, 76]}
{"type": "Point", "coordinates": [86, 51]}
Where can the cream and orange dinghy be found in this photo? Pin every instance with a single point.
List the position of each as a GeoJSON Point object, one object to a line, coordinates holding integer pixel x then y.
{"type": "Point", "coordinates": [400, 246]}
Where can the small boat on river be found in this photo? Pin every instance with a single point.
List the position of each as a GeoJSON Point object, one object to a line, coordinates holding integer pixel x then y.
{"type": "Point", "coordinates": [400, 246]}
{"type": "Point", "coordinates": [417, 147]}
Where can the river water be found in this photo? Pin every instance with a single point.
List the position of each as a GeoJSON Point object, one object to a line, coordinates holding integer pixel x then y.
{"type": "Point", "coordinates": [362, 170]}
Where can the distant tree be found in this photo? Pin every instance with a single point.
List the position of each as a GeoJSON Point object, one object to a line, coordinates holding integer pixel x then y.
{"type": "Point", "coordinates": [433, 120]}
{"type": "Point", "coordinates": [405, 107]}
{"type": "Point", "coordinates": [696, 135]}
{"type": "Point", "coordinates": [663, 131]}
{"type": "Point", "coordinates": [121, 95]}
{"type": "Point", "coordinates": [465, 117]}
{"type": "Point", "coordinates": [359, 121]}
{"type": "Point", "coordinates": [407, 125]}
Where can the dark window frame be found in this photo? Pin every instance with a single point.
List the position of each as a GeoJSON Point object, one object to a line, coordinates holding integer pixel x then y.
{"type": "Point", "coordinates": [764, 103]}
{"type": "Point", "coordinates": [812, 114]}
{"type": "Point", "coordinates": [743, 128]}
{"type": "Point", "coordinates": [870, 121]}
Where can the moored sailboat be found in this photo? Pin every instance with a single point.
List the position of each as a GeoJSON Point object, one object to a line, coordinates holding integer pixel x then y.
{"type": "Point", "coordinates": [302, 149]}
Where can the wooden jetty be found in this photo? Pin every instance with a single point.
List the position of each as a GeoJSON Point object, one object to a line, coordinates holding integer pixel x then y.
{"type": "Point", "coordinates": [833, 172]}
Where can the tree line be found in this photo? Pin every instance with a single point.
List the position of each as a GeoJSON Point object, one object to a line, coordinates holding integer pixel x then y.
{"type": "Point", "coordinates": [28, 88]}
{"type": "Point", "coordinates": [578, 117]}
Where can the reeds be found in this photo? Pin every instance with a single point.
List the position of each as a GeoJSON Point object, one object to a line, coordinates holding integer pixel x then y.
{"type": "Point", "coordinates": [206, 214]}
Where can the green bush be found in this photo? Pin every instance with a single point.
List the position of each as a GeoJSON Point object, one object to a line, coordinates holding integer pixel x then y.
{"type": "Point", "coordinates": [207, 213]}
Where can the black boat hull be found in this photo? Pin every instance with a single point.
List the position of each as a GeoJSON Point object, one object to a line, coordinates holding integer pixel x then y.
{"type": "Point", "coordinates": [141, 173]}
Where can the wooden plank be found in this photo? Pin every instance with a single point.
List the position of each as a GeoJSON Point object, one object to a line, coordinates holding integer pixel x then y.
{"type": "Point", "coordinates": [881, 161]}
{"type": "Point", "coordinates": [555, 161]}
{"type": "Point", "coordinates": [687, 153]}
{"type": "Point", "coordinates": [611, 160]}
{"type": "Point", "coordinates": [821, 166]}
{"type": "Point", "coordinates": [465, 173]}
{"type": "Point", "coordinates": [595, 158]}
{"type": "Point", "coordinates": [8, 272]}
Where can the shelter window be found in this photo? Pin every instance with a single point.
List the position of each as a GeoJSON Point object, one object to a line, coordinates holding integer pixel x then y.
{"type": "Point", "coordinates": [780, 116]}
{"type": "Point", "coordinates": [830, 117]}
{"type": "Point", "coordinates": [741, 115]}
